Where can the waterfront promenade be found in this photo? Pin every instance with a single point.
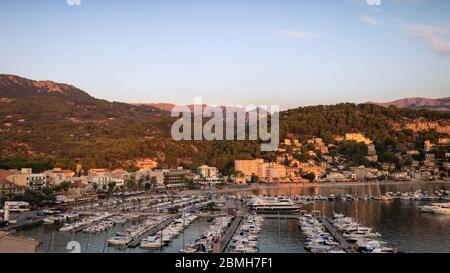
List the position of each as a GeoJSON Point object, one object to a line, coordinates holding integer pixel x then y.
{"type": "Point", "coordinates": [287, 186]}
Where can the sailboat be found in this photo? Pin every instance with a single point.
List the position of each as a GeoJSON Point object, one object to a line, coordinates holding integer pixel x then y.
{"type": "Point", "coordinates": [382, 197]}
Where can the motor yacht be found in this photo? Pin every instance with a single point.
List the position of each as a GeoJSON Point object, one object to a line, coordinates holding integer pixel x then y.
{"type": "Point", "coordinates": [273, 205]}
{"type": "Point", "coordinates": [436, 208]}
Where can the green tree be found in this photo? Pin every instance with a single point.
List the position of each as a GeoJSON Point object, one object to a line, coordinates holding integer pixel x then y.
{"type": "Point", "coordinates": [254, 179]}
{"type": "Point", "coordinates": [310, 176]}
{"type": "Point", "coordinates": [47, 191]}
{"type": "Point", "coordinates": [63, 186]}
{"type": "Point", "coordinates": [111, 186]}
{"type": "Point", "coordinates": [131, 185]}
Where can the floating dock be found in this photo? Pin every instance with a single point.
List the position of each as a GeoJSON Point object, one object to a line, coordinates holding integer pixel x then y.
{"type": "Point", "coordinates": [137, 241]}
{"type": "Point", "coordinates": [231, 230]}
{"type": "Point", "coordinates": [336, 234]}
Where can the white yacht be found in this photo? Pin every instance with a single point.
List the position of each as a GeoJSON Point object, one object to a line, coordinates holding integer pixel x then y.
{"type": "Point", "coordinates": [119, 240]}
{"type": "Point", "coordinates": [151, 242]}
{"type": "Point", "coordinates": [436, 208]}
{"type": "Point", "coordinates": [273, 205]}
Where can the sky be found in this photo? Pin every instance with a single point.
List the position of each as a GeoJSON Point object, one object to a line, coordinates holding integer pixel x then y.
{"type": "Point", "coordinates": [247, 52]}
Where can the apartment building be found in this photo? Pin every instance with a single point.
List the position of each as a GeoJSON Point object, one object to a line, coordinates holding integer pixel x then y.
{"type": "Point", "coordinates": [103, 177]}
{"type": "Point", "coordinates": [274, 171]}
{"type": "Point", "coordinates": [249, 167]}
{"type": "Point", "coordinates": [311, 167]}
{"type": "Point", "coordinates": [269, 171]}
{"type": "Point", "coordinates": [175, 178]}
{"type": "Point", "coordinates": [207, 171]}
{"type": "Point", "coordinates": [8, 188]}
{"type": "Point", "coordinates": [26, 178]}
{"type": "Point", "coordinates": [57, 175]}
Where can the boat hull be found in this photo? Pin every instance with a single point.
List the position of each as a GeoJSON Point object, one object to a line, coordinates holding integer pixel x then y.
{"type": "Point", "coordinates": [275, 210]}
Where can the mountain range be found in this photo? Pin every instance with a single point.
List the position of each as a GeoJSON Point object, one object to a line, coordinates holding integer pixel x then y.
{"type": "Point", "coordinates": [442, 104]}
{"type": "Point", "coordinates": [421, 103]}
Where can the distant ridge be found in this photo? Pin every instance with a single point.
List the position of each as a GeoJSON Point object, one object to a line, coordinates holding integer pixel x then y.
{"type": "Point", "coordinates": [420, 103]}
{"type": "Point", "coordinates": [13, 86]}
{"type": "Point", "coordinates": [170, 106]}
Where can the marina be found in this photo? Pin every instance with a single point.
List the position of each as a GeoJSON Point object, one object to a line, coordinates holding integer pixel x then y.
{"type": "Point", "coordinates": [246, 239]}
{"type": "Point", "coordinates": [130, 236]}
{"type": "Point", "coordinates": [402, 223]}
{"type": "Point", "coordinates": [318, 239]}
{"type": "Point", "coordinates": [209, 240]}
{"type": "Point", "coordinates": [163, 236]}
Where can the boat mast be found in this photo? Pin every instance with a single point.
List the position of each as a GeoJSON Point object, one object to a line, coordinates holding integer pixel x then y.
{"type": "Point", "coordinates": [183, 231]}
{"type": "Point", "coordinates": [279, 233]}
{"type": "Point", "coordinates": [378, 188]}
{"type": "Point", "coordinates": [88, 243]}
{"type": "Point", "coordinates": [161, 246]}
{"type": "Point", "coordinates": [52, 242]}
{"type": "Point", "coordinates": [106, 239]}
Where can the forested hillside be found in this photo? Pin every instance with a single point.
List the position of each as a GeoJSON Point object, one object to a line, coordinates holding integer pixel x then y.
{"type": "Point", "coordinates": [46, 124]}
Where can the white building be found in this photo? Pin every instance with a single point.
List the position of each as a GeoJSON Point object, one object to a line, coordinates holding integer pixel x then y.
{"type": "Point", "coordinates": [207, 171]}
{"type": "Point", "coordinates": [148, 175]}
{"type": "Point", "coordinates": [400, 176]}
{"type": "Point", "coordinates": [26, 177]}
{"type": "Point", "coordinates": [103, 179]}
{"type": "Point", "coordinates": [57, 175]}
{"type": "Point", "coordinates": [207, 180]}
{"type": "Point", "coordinates": [336, 176]}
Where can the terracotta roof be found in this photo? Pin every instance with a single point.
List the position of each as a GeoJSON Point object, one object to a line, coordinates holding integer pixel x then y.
{"type": "Point", "coordinates": [4, 174]}
{"type": "Point", "coordinates": [62, 171]}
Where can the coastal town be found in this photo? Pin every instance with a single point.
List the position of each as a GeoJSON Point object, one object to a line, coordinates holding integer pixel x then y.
{"type": "Point", "coordinates": [321, 163]}
{"type": "Point", "coordinates": [170, 200]}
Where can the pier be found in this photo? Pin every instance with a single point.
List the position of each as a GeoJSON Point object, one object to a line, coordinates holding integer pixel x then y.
{"type": "Point", "coordinates": [136, 241]}
{"type": "Point", "coordinates": [231, 230]}
{"type": "Point", "coordinates": [94, 212]}
{"type": "Point", "coordinates": [336, 234]}
{"type": "Point", "coordinates": [24, 220]}
{"type": "Point", "coordinates": [23, 225]}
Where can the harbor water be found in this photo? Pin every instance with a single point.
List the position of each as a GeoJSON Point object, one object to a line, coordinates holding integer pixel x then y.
{"type": "Point", "coordinates": [399, 221]}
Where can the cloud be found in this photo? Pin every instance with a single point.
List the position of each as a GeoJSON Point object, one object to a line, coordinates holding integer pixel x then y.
{"type": "Point", "coordinates": [370, 20]}
{"type": "Point", "coordinates": [299, 35]}
{"type": "Point", "coordinates": [436, 38]}
{"type": "Point", "coordinates": [373, 2]}
{"type": "Point", "coordinates": [73, 2]}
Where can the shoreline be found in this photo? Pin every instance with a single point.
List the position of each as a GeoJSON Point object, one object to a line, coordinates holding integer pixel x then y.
{"type": "Point", "coordinates": [312, 185]}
